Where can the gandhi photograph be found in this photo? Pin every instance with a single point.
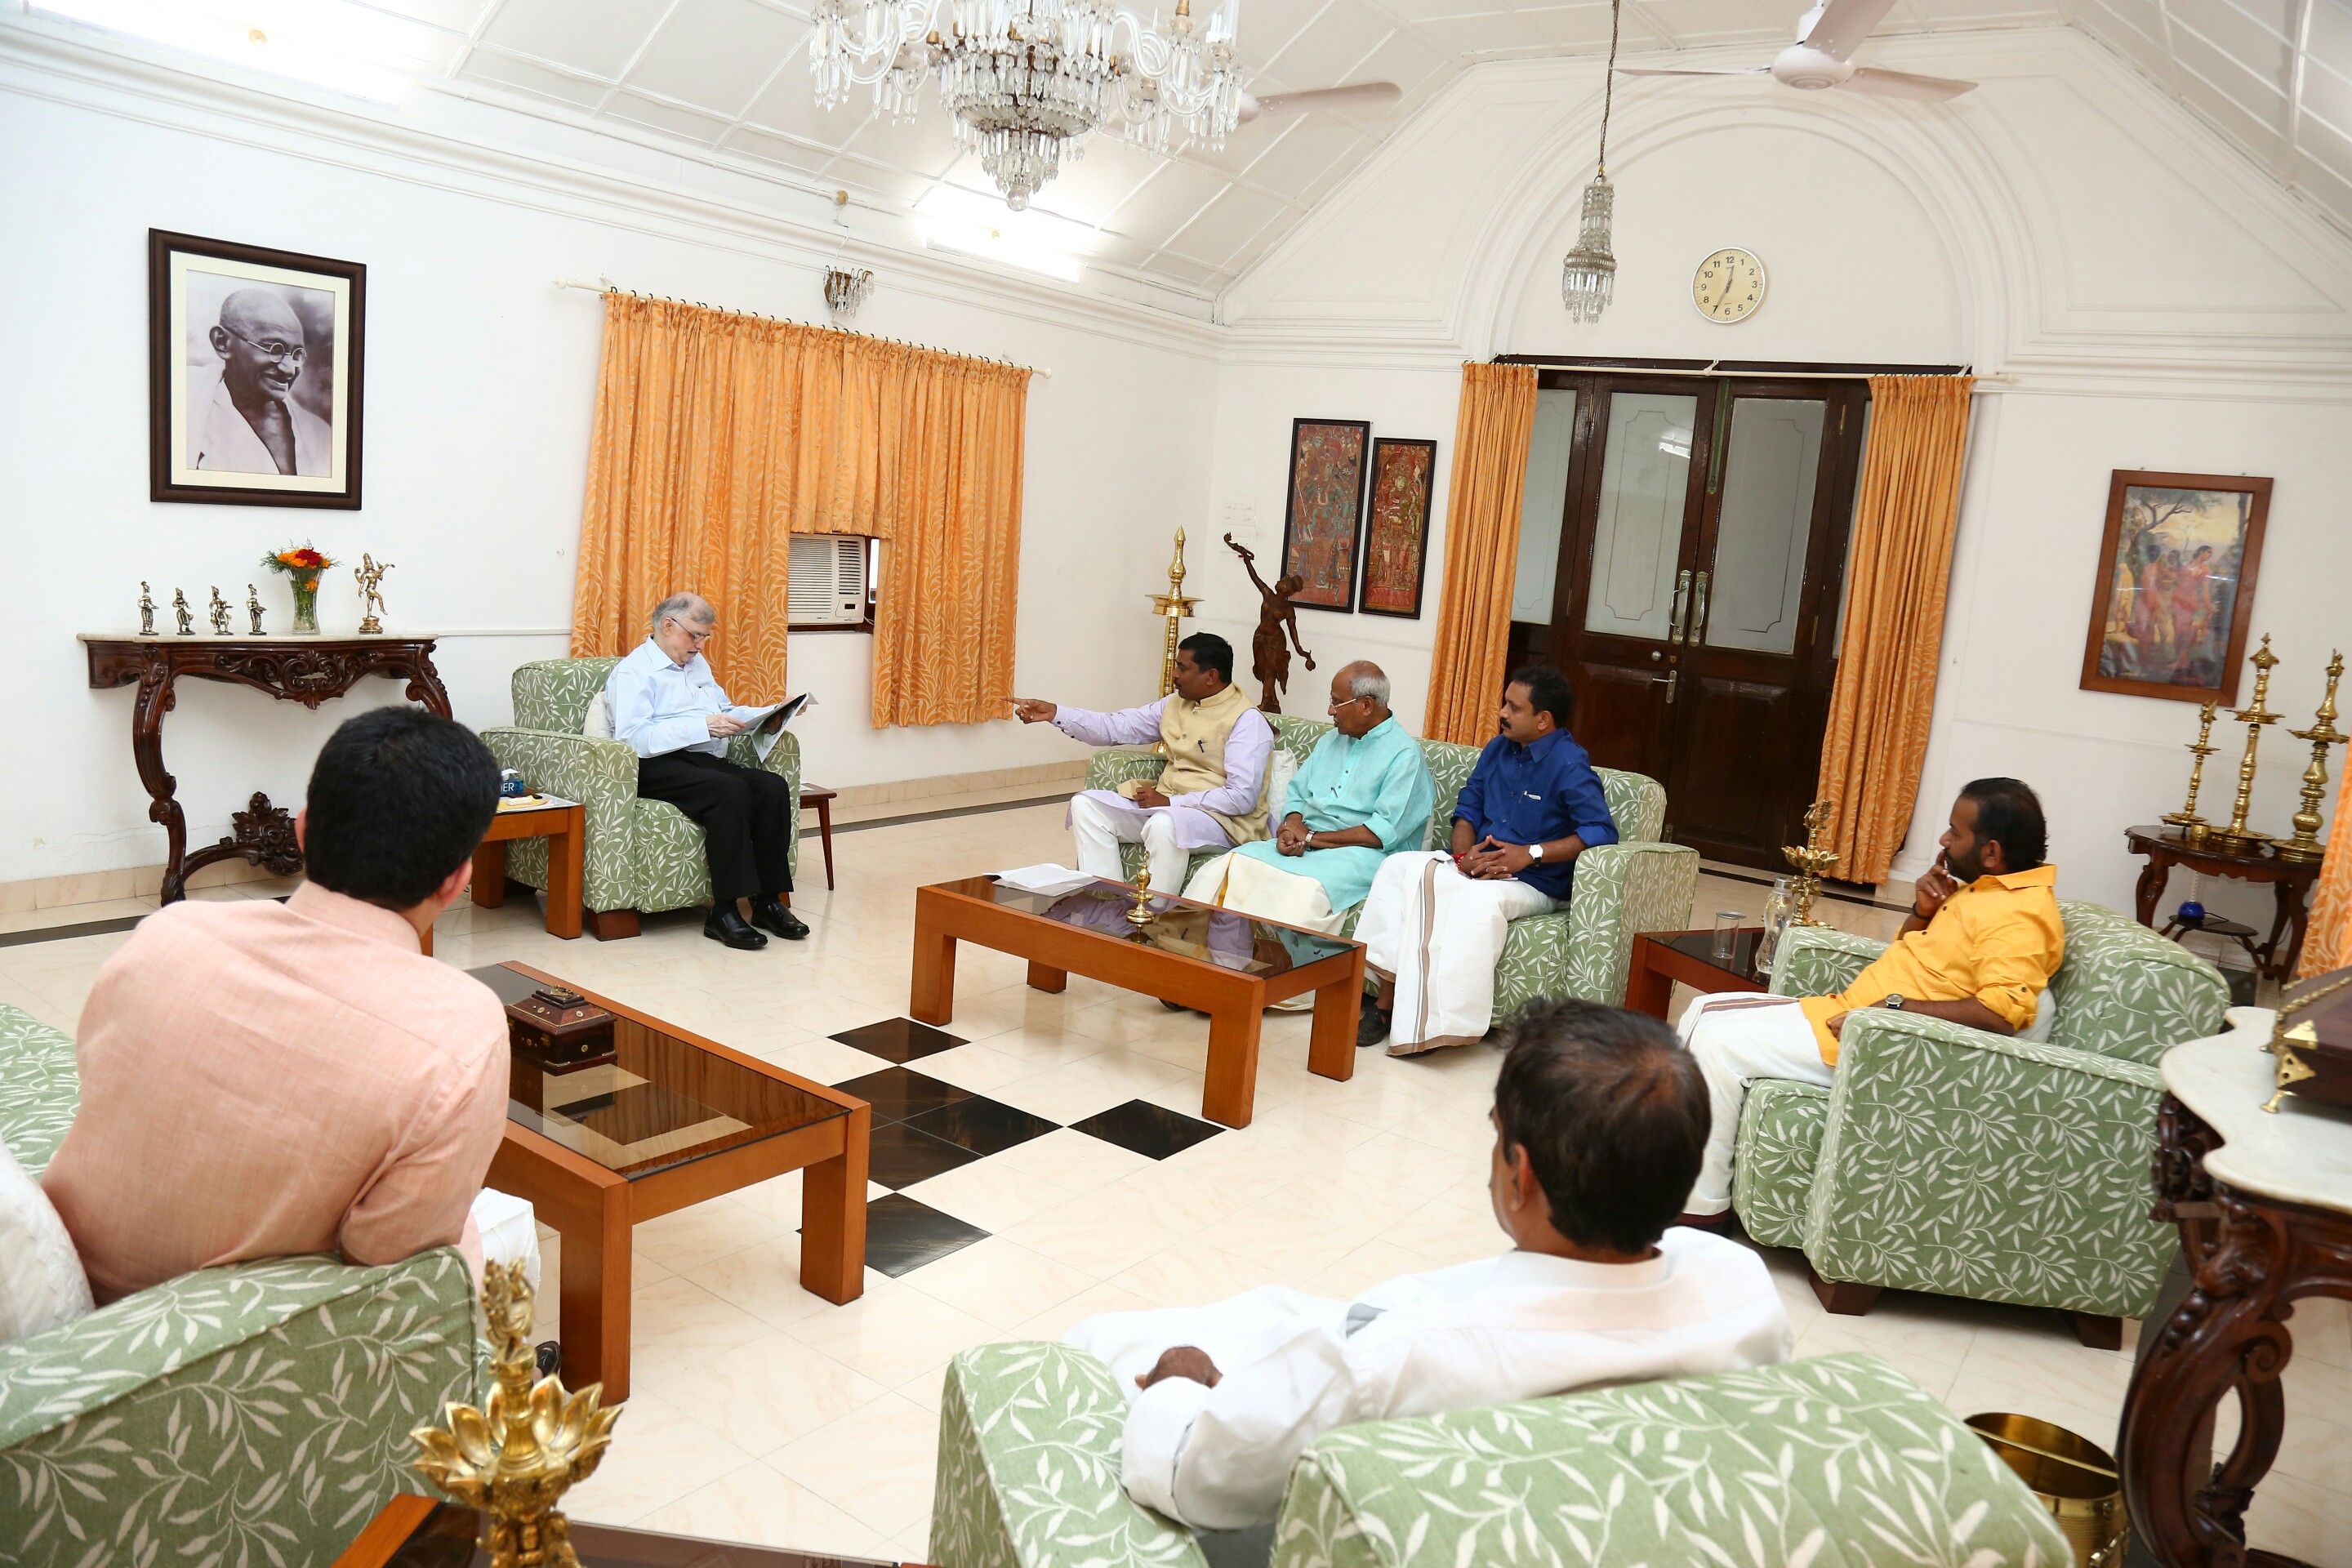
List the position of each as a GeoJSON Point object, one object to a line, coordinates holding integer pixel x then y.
{"type": "Point", "coordinates": [259, 399]}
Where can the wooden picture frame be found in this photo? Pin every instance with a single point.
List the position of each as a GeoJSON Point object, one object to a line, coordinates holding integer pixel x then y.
{"type": "Point", "coordinates": [1323, 510]}
{"type": "Point", "coordinates": [1401, 483]}
{"type": "Point", "coordinates": [2174, 593]}
{"type": "Point", "coordinates": [238, 333]}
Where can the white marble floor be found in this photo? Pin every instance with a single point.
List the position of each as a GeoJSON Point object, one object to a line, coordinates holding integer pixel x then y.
{"type": "Point", "coordinates": [762, 1413]}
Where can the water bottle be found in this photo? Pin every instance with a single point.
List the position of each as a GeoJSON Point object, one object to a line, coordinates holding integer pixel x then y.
{"type": "Point", "coordinates": [1776, 921]}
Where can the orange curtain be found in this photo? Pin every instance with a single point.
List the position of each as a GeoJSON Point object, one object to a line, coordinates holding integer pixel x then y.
{"type": "Point", "coordinates": [1491, 436]}
{"type": "Point", "coordinates": [718, 436]}
{"type": "Point", "coordinates": [1893, 633]}
{"type": "Point", "coordinates": [2328, 944]}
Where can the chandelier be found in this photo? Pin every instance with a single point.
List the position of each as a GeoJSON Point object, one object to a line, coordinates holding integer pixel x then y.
{"type": "Point", "coordinates": [1026, 81]}
{"type": "Point", "coordinates": [1589, 272]}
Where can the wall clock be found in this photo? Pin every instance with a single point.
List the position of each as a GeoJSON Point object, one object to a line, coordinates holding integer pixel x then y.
{"type": "Point", "coordinates": [1728, 286]}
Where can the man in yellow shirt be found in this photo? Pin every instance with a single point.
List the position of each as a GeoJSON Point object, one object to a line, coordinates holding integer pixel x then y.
{"type": "Point", "coordinates": [1983, 938]}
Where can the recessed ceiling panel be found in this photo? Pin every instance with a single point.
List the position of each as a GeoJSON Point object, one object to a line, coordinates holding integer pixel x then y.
{"type": "Point", "coordinates": [537, 81]}
{"type": "Point", "coordinates": [599, 36]}
{"type": "Point", "coordinates": [717, 54]}
{"type": "Point", "coordinates": [691, 124]}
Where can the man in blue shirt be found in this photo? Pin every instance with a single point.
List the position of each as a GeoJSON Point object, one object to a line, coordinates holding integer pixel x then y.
{"type": "Point", "coordinates": [667, 704]}
{"type": "Point", "coordinates": [1435, 922]}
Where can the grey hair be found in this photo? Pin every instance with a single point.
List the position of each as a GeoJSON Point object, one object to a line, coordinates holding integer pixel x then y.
{"type": "Point", "coordinates": [691, 607]}
{"type": "Point", "coordinates": [1370, 681]}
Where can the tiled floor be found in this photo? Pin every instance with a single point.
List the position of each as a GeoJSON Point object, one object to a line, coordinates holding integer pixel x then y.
{"type": "Point", "coordinates": [1051, 1166]}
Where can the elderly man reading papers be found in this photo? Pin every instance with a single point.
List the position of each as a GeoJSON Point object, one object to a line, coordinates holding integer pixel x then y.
{"type": "Point", "coordinates": [1599, 1119]}
{"type": "Point", "coordinates": [1982, 941]}
{"type": "Point", "coordinates": [1435, 922]}
{"type": "Point", "coordinates": [1212, 795]}
{"type": "Point", "coordinates": [1364, 794]}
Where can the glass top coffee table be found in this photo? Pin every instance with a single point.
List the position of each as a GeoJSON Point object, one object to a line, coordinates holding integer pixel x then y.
{"type": "Point", "coordinates": [1662, 957]}
{"type": "Point", "coordinates": [662, 1120]}
{"type": "Point", "coordinates": [1228, 965]}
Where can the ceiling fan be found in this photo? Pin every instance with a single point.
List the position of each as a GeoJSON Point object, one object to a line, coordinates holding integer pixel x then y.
{"type": "Point", "coordinates": [1823, 57]}
{"type": "Point", "coordinates": [1366, 94]}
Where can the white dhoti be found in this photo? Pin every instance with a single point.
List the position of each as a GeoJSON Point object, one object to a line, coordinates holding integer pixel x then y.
{"type": "Point", "coordinates": [1247, 884]}
{"type": "Point", "coordinates": [1101, 821]}
{"type": "Point", "coordinates": [1439, 933]}
{"type": "Point", "coordinates": [1738, 1035]}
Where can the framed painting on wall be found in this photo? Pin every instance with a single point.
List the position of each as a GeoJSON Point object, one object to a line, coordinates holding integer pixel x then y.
{"type": "Point", "coordinates": [1321, 516]}
{"type": "Point", "coordinates": [253, 374]}
{"type": "Point", "coordinates": [1396, 528]}
{"type": "Point", "coordinates": [2176, 586]}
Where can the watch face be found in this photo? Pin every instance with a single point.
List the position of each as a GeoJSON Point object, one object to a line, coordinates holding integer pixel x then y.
{"type": "Point", "coordinates": [1728, 286]}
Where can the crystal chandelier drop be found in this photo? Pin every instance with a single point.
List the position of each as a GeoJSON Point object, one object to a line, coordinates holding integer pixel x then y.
{"type": "Point", "coordinates": [1026, 81]}
{"type": "Point", "coordinates": [1587, 272]}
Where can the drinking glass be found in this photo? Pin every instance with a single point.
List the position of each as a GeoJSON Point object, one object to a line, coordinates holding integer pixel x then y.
{"type": "Point", "coordinates": [1727, 935]}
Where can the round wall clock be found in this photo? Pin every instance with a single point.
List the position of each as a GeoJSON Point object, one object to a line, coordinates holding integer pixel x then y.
{"type": "Point", "coordinates": [1728, 286]}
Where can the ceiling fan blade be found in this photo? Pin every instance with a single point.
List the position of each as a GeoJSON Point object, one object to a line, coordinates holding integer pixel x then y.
{"type": "Point", "coordinates": [1744, 70]}
{"type": "Point", "coordinates": [1903, 84]}
{"type": "Point", "coordinates": [1844, 24]}
{"type": "Point", "coordinates": [1364, 95]}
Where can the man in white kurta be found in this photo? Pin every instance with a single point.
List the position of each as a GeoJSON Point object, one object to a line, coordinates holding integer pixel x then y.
{"type": "Point", "coordinates": [1600, 1118]}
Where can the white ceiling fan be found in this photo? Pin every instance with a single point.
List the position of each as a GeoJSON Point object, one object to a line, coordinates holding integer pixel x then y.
{"type": "Point", "coordinates": [1363, 94]}
{"type": "Point", "coordinates": [1823, 57]}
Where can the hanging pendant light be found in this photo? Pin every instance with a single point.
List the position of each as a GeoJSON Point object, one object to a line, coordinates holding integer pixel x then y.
{"type": "Point", "coordinates": [1589, 271]}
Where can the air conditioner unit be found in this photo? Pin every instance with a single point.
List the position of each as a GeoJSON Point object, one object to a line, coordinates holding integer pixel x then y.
{"type": "Point", "coordinates": [828, 580]}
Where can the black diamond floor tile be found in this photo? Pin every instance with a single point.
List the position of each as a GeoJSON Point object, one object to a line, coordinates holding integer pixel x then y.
{"type": "Point", "coordinates": [902, 1235]}
{"type": "Point", "coordinates": [900, 1040]}
{"type": "Point", "coordinates": [1142, 1128]}
{"type": "Point", "coordinates": [897, 1093]}
{"type": "Point", "coordinates": [900, 1154]}
{"type": "Point", "coordinates": [983, 1125]}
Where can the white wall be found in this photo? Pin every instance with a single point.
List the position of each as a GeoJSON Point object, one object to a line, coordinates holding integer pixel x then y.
{"type": "Point", "coordinates": [2161, 303]}
{"type": "Point", "coordinates": [480, 380]}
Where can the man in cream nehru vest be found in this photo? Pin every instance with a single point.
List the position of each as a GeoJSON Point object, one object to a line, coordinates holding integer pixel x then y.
{"type": "Point", "coordinates": [1211, 793]}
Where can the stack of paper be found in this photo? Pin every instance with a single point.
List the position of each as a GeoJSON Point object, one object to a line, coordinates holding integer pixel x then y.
{"type": "Point", "coordinates": [1048, 880]}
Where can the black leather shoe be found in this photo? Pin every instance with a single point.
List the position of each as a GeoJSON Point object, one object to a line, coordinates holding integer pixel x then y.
{"type": "Point", "coordinates": [1371, 1027]}
{"type": "Point", "coordinates": [770, 914]}
{"type": "Point", "coordinates": [549, 1356]}
{"type": "Point", "coordinates": [726, 925]}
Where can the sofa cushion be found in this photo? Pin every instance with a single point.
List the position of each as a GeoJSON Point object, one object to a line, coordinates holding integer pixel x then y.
{"type": "Point", "coordinates": [39, 1088]}
{"type": "Point", "coordinates": [2123, 991]}
{"type": "Point", "coordinates": [1772, 1165]}
{"type": "Point", "coordinates": [552, 693]}
{"type": "Point", "coordinates": [41, 1281]}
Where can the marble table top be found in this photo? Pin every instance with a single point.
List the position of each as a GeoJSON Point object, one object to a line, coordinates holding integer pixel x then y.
{"type": "Point", "coordinates": [2300, 1155]}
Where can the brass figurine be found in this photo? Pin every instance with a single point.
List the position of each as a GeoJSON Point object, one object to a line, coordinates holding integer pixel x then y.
{"type": "Point", "coordinates": [1270, 651]}
{"type": "Point", "coordinates": [2322, 733]}
{"type": "Point", "coordinates": [1811, 859]}
{"type": "Point", "coordinates": [253, 608]}
{"type": "Point", "coordinates": [146, 611]}
{"type": "Point", "coordinates": [2238, 838]}
{"type": "Point", "coordinates": [1175, 605]}
{"type": "Point", "coordinates": [181, 611]}
{"type": "Point", "coordinates": [369, 573]}
{"type": "Point", "coordinates": [219, 610]}
{"type": "Point", "coordinates": [2193, 826]}
{"type": "Point", "coordinates": [515, 1458]}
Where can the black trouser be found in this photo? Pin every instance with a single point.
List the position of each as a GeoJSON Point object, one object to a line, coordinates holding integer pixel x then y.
{"type": "Point", "coordinates": [746, 815]}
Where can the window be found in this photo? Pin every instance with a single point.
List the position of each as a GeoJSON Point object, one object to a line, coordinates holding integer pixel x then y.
{"type": "Point", "coordinates": [832, 587]}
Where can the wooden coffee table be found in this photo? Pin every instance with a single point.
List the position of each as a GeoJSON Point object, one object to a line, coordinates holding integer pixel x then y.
{"type": "Point", "coordinates": [672, 1120]}
{"type": "Point", "coordinates": [1662, 957]}
{"type": "Point", "coordinates": [412, 1531]}
{"type": "Point", "coordinates": [1226, 964]}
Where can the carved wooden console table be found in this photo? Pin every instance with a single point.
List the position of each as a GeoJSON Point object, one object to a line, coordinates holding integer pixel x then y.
{"type": "Point", "coordinates": [308, 670]}
{"type": "Point", "coordinates": [2265, 1206]}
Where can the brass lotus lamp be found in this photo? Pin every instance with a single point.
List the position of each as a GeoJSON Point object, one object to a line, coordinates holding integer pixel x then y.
{"type": "Point", "coordinates": [1175, 605]}
{"type": "Point", "coordinates": [2238, 838]}
{"type": "Point", "coordinates": [2194, 827]}
{"type": "Point", "coordinates": [2306, 845]}
{"type": "Point", "coordinates": [1811, 859]}
{"type": "Point", "coordinates": [1139, 914]}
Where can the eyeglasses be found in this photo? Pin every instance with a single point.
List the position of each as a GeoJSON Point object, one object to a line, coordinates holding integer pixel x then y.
{"type": "Point", "coordinates": [271, 348]}
{"type": "Point", "coordinates": [1363, 696]}
{"type": "Point", "coordinates": [697, 637]}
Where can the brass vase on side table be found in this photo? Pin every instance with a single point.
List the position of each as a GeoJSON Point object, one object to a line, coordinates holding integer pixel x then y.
{"type": "Point", "coordinates": [2322, 733]}
{"type": "Point", "coordinates": [2238, 838]}
{"type": "Point", "coordinates": [1811, 859]}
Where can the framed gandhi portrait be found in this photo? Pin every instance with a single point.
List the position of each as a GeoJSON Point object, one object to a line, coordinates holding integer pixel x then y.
{"type": "Point", "coordinates": [2175, 585]}
{"type": "Point", "coordinates": [254, 374]}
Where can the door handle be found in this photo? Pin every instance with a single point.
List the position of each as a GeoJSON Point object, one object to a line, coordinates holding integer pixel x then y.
{"type": "Point", "coordinates": [1674, 614]}
{"type": "Point", "coordinates": [1698, 632]}
{"type": "Point", "coordinates": [1669, 681]}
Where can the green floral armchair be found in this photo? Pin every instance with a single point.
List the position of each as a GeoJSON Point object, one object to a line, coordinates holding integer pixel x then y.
{"type": "Point", "coordinates": [642, 855]}
{"type": "Point", "coordinates": [1836, 1460]}
{"type": "Point", "coordinates": [1943, 1158]}
{"type": "Point", "coordinates": [1634, 885]}
{"type": "Point", "coordinates": [257, 1414]}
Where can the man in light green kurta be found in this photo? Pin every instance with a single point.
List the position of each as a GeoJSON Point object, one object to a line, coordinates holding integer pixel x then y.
{"type": "Point", "coordinates": [1361, 796]}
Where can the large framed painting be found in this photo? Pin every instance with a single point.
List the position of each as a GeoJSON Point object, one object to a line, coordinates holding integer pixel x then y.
{"type": "Point", "coordinates": [253, 366]}
{"type": "Point", "coordinates": [1396, 528]}
{"type": "Point", "coordinates": [2176, 586]}
{"type": "Point", "coordinates": [1322, 518]}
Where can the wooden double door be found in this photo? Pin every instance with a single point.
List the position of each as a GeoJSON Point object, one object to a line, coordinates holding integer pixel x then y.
{"type": "Point", "coordinates": [1681, 549]}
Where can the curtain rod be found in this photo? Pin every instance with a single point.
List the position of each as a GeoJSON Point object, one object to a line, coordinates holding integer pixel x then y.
{"type": "Point", "coordinates": [1712, 369]}
{"type": "Point", "coordinates": [606, 286]}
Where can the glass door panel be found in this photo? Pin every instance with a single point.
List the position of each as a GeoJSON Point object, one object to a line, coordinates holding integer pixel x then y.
{"type": "Point", "coordinates": [1758, 577]}
{"type": "Point", "coordinates": [1544, 505]}
{"type": "Point", "coordinates": [1638, 536]}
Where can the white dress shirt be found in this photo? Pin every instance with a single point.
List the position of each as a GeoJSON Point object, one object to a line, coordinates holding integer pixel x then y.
{"type": "Point", "coordinates": [1519, 1326]}
{"type": "Point", "coordinates": [660, 706]}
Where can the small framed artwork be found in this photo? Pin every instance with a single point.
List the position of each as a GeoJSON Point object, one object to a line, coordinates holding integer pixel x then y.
{"type": "Point", "coordinates": [1322, 518]}
{"type": "Point", "coordinates": [253, 362]}
{"type": "Point", "coordinates": [1396, 528]}
{"type": "Point", "coordinates": [2176, 586]}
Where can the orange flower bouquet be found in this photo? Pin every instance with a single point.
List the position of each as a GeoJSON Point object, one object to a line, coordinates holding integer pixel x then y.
{"type": "Point", "coordinates": [302, 565]}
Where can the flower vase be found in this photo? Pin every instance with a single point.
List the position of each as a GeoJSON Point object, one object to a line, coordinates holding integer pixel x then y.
{"type": "Point", "coordinates": [306, 603]}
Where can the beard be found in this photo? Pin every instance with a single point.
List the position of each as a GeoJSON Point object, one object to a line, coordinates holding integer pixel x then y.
{"type": "Point", "coordinates": [1965, 868]}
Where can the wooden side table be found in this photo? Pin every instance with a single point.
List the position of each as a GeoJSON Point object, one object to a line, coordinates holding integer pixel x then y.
{"type": "Point", "coordinates": [2290, 880]}
{"type": "Point", "coordinates": [564, 825]}
{"type": "Point", "coordinates": [2265, 1207]}
{"type": "Point", "coordinates": [1662, 957]}
{"type": "Point", "coordinates": [822, 798]}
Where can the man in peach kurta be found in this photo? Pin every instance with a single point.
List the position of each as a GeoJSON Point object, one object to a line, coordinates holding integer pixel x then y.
{"type": "Point", "coordinates": [261, 1078]}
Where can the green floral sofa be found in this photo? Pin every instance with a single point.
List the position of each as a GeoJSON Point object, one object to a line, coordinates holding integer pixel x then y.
{"type": "Point", "coordinates": [1634, 885]}
{"type": "Point", "coordinates": [1837, 1461]}
{"type": "Point", "coordinates": [642, 855]}
{"type": "Point", "coordinates": [251, 1414]}
{"type": "Point", "coordinates": [1946, 1159]}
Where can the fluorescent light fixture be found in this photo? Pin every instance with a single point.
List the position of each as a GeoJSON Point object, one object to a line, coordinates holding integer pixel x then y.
{"type": "Point", "coordinates": [322, 42]}
{"type": "Point", "coordinates": [967, 222]}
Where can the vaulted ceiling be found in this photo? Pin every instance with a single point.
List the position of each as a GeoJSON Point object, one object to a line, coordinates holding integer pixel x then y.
{"type": "Point", "coordinates": [728, 81]}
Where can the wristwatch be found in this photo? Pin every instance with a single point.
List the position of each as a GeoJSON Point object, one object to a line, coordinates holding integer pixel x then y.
{"type": "Point", "coordinates": [1535, 851]}
{"type": "Point", "coordinates": [1894, 1002]}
